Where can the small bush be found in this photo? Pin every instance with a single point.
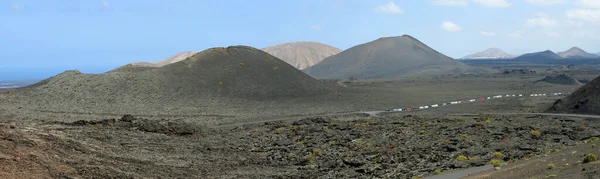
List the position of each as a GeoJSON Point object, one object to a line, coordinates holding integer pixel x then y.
{"type": "Point", "coordinates": [535, 133]}
{"type": "Point", "coordinates": [489, 120]}
{"type": "Point", "coordinates": [591, 139]}
{"type": "Point", "coordinates": [390, 146]}
{"type": "Point", "coordinates": [461, 158]}
{"type": "Point", "coordinates": [417, 177]}
{"type": "Point", "coordinates": [438, 171]}
{"type": "Point", "coordinates": [291, 156]}
{"type": "Point", "coordinates": [589, 158]}
{"type": "Point", "coordinates": [463, 136]}
{"type": "Point", "coordinates": [498, 155]}
{"type": "Point", "coordinates": [325, 128]}
{"type": "Point", "coordinates": [316, 151]}
{"type": "Point", "coordinates": [472, 158]}
{"type": "Point", "coordinates": [504, 140]}
{"type": "Point", "coordinates": [496, 162]}
{"type": "Point", "coordinates": [311, 159]}
{"type": "Point", "coordinates": [299, 143]}
{"type": "Point", "coordinates": [551, 166]}
{"type": "Point", "coordinates": [593, 145]}
{"type": "Point", "coordinates": [551, 176]}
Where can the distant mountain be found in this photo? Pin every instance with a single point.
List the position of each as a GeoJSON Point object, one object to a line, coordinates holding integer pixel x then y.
{"type": "Point", "coordinates": [491, 53]}
{"type": "Point", "coordinates": [142, 66]}
{"type": "Point", "coordinates": [389, 57]}
{"type": "Point", "coordinates": [576, 52]}
{"type": "Point", "coordinates": [173, 59]}
{"type": "Point", "coordinates": [302, 54]}
{"type": "Point", "coordinates": [538, 56]}
{"type": "Point", "coordinates": [598, 53]}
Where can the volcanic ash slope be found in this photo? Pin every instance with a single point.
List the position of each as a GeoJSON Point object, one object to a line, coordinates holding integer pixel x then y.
{"type": "Point", "coordinates": [387, 58]}
{"type": "Point", "coordinates": [211, 77]}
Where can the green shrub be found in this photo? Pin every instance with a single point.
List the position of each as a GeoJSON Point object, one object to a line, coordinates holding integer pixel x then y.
{"type": "Point", "coordinates": [496, 162]}
{"type": "Point", "coordinates": [551, 166]}
{"type": "Point", "coordinates": [589, 158]}
{"type": "Point", "coordinates": [463, 136]}
{"type": "Point", "coordinates": [461, 158]}
{"type": "Point", "coordinates": [591, 139]}
{"type": "Point", "coordinates": [316, 151]}
{"type": "Point", "coordinates": [438, 171]}
{"type": "Point", "coordinates": [498, 155]}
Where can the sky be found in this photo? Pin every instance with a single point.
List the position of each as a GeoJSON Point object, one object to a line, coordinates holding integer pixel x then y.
{"type": "Point", "coordinates": [39, 39]}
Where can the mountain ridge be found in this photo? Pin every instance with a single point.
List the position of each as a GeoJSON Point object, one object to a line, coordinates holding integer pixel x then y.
{"type": "Point", "coordinates": [302, 54]}
{"type": "Point", "coordinates": [491, 53]}
{"type": "Point", "coordinates": [576, 52]}
{"type": "Point", "coordinates": [388, 57]}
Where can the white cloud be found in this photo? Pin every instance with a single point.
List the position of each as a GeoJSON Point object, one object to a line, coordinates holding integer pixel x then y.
{"type": "Point", "coordinates": [389, 8]}
{"type": "Point", "coordinates": [451, 27]}
{"type": "Point", "coordinates": [492, 3]}
{"type": "Point", "coordinates": [593, 4]}
{"type": "Point", "coordinates": [545, 2]}
{"type": "Point", "coordinates": [553, 34]}
{"type": "Point", "coordinates": [542, 20]}
{"type": "Point", "coordinates": [315, 27]}
{"type": "Point", "coordinates": [484, 33]}
{"type": "Point", "coordinates": [16, 6]}
{"type": "Point", "coordinates": [584, 15]}
{"type": "Point", "coordinates": [106, 5]}
{"type": "Point", "coordinates": [448, 2]}
{"type": "Point", "coordinates": [516, 34]}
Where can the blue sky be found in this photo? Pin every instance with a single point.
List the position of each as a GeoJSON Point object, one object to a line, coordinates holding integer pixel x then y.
{"type": "Point", "coordinates": [42, 38]}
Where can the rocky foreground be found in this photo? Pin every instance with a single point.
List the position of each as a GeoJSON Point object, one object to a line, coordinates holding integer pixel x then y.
{"type": "Point", "coordinates": [337, 147]}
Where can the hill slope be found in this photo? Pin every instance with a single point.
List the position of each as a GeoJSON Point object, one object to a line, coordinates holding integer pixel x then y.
{"type": "Point", "coordinates": [491, 53]}
{"type": "Point", "coordinates": [302, 54]}
{"type": "Point", "coordinates": [562, 79]}
{"type": "Point", "coordinates": [388, 57]}
{"type": "Point", "coordinates": [538, 56]}
{"type": "Point", "coordinates": [585, 100]}
{"type": "Point", "coordinates": [212, 77]}
{"type": "Point", "coordinates": [576, 52]}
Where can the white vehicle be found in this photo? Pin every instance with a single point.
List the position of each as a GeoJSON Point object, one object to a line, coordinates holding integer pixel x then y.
{"type": "Point", "coordinates": [472, 100]}
{"type": "Point", "coordinates": [421, 107]}
{"type": "Point", "coordinates": [513, 95]}
{"type": "Point", "coordinates": [489, 98]}
{"type": "Point", "coordinates": [435, 105]}
{"type": "Point", "coordinates": [520, 95]}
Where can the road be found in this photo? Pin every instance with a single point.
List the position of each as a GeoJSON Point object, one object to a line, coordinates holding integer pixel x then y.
{"type": "Point", "coordinates": [376, 113]}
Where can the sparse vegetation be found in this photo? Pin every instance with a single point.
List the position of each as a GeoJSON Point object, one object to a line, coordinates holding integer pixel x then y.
{"type": "Point", "coordinates": [551, 166]}
{"type": "Point", "coordinates": [489, 120]}
{"type": "Point", "coordinates": [316, 151]}
{"type": "Point", "coordinates": [535, 133]}
{"type": "Point", "coordinates": [438, 171]}
{"type": "Point", "coordinates": [498, 155]}
{"type": "Point", "coordinates": [496, 162]}
{"type": "Point", "coordinates": [589, 158]}
{"type": "Point", "coordinates": [461, 158]}
{"type": "Point", "coordinates": [591, 139]}
{"type": "Point", "coordinates": [463, 136]}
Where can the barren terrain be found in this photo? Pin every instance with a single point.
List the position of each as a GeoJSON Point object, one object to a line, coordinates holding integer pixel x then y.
{"type": "Point", "coordinates": [281, 141]}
